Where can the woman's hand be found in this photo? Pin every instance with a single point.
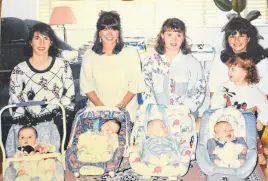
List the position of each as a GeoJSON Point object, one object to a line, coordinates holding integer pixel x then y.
{"type": "Point", "coordinates": [122, 104]}
{"type": "Point", "coordinates": [259, 125]}
{"type": "Point", "coordinates": [128, 97]}
{"type": "Point", "coordinates": [244, 151]}
{"type": "Point", "coordinates": [21, 172]}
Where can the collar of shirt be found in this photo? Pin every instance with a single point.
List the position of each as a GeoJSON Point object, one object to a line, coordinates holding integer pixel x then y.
{"type": "Point", "coordinates": [177, 58]}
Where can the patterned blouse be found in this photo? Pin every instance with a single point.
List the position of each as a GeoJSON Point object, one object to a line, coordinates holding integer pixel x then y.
{"type": "Point", "coordinates": [52, 84]}
{"type": "Point", "coordinates": [177, 82]}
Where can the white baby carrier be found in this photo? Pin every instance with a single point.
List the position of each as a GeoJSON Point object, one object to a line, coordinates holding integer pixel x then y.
{"type": "Point", "coordinates": [175, 151]}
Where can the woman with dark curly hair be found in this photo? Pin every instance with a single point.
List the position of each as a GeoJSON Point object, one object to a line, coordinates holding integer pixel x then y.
{"type": "Point", "coordinates": [110, 73]}
{"type": "Point", "coordinates": [241, 88]}
{"type": "Point", "coordinates": [172, 75]}
{"type": "Point", "coordinates": [240, 36]}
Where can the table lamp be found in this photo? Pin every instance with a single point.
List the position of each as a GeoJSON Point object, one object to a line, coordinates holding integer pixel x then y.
{"type": "Point", "coordinates": [62, 15]}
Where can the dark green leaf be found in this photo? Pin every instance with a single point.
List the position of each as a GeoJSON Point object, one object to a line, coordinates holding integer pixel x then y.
{"type": "Point", "coordinates": [254, 14]}
{"type": "Point", "coordinates": [224, 5]}
{"type": "Point", "coordinates": [239, 5]}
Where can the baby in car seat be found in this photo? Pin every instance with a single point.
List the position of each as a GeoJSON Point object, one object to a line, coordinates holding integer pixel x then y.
{"type": "Point", "coordinates": [156, 128]}
{"type": "Point", "coordinates": [159, 147]}
{"type": "Point", "coordinates": [99, 147]}
{"type": "Point", "coordinates": [226, 150]}
{"type": "Point", "coordinates": [44, 169]}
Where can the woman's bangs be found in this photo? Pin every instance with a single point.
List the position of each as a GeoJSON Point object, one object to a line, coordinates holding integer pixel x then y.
{"type": "Point", "coordinates": [235, 27]}
{"type": "Point", "coordinates": [110, 24]}
{"type": "Point", "coordinates": [173, 29]}
{"type": "Point", "coordinates": [235, 31]}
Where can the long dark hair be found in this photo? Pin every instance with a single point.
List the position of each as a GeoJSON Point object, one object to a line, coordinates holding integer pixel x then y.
{"type": "Point", "coordinates": [108, 20]}
{"type": "Point", "coordinates": [254, 50]}
{"type": "Point", "coordinates": [176, 25]}
{"type": "Point", "coordinates": [45, 30]}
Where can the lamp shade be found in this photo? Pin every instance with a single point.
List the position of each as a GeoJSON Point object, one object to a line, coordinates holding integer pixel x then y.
{"type": "Point", "coordinates": [62, 15]}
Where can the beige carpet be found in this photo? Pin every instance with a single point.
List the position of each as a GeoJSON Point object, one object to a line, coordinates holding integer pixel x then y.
{"type": "Point", "coordinates": [194, 174]}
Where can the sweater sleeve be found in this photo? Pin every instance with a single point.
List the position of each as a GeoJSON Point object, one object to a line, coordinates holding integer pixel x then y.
{"type": "Point", "coordinates": [262, 67]}
{"type": "Point", "coordinates": [15, 91]}
{"type": "Point", "coordinates": [217, 75]}
{"type": "Point", "coordinates": [196, 90]}
{"type": "Point", "coordinates": [136, 82]}
{"type": "Point", "coordinates": [68, 97]}
{"type": "Point", "coordinates": [262, 105]}
{"type": "Point", "coordinates": [148, 95]}
{"type": "Point", "coordinates": [86, 76]}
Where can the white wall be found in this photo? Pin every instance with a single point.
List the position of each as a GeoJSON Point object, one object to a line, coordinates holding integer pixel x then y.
{"type": "Point", "coordinates": [27, 9]}
{"type": "Point", "coordinates": [24, 9]}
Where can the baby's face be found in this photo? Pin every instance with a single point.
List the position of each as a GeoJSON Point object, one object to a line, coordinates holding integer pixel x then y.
{"type": "Point", "coordinates": [157, 128]}
{"type": "Point", "coordinates": [110, 127]}
{"type": "Point", "coordinates": [27, 136]}
{"type": "Point", "coordinates": [224, 132]}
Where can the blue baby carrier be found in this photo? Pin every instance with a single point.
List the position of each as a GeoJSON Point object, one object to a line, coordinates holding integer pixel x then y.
{"type": "Point", "coordinates": [244, 124]}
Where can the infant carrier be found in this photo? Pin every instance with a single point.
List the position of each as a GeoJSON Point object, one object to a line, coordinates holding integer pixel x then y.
{"type": "Point", "coordinates": [48, 134]}
{"type": "Point", "coordinates": [169, 156]}
{"type": "Point", "coordinates": [244, 125]}
{"type": "Point", "coordinates": [90, 120]}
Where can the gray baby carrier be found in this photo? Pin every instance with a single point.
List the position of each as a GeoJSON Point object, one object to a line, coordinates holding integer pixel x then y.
{"type": "Point", "coordinates": [244, 124]}
{"type": "Point", "coordinates": [47, 134]}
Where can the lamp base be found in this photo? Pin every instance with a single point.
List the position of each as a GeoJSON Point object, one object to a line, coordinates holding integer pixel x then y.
{"type": "Point", "coordinates": [64, 34]}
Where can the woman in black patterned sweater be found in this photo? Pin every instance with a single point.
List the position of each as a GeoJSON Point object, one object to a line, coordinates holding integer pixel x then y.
{"type": "Point", "coordinates": [42, 77]}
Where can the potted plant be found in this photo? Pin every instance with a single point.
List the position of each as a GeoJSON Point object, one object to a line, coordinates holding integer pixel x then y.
{"type": "Point", "coordinates": [238, 6]}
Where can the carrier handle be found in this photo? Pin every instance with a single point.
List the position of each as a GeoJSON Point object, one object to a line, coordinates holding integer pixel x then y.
{"type": "Point", "coordinates": [161, 111]}
{"type": "Point", "coordinates": [33, 103]}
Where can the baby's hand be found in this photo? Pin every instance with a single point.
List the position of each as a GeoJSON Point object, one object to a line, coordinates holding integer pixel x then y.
{"type": "Point", "coordinates": [21, 172]}
{"type": "Point", "coordinates": [41, 149]}
{"type": "Point", "coordinates": [244, 151]}
{"type": "Point", "coordinates": [216, 149]}
{"type": "Point", "coordinates": [259, 125]}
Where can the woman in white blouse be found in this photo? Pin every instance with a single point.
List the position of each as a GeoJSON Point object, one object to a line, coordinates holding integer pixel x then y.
{"type": "Point", "coordinates": [111, 73]}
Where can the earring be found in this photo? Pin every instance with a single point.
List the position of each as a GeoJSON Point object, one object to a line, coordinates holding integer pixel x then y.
{"type": "Point", "coordinates": [248, 39]}
{"type": "Point", "coordinates": [100, 40]}
{"type": "Point", "coordinates": [117, 41]}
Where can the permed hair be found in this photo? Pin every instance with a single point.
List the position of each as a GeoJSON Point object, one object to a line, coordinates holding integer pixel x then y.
{"type": "Point", "coordinates": [243, 61]}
